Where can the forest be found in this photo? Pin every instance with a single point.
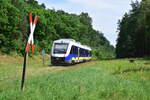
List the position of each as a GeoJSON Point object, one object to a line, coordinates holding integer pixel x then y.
{"type": "Point", "coordinates": [52, 24]}
{"type": "Point", "coordinates": [134, 31]}
{"type": "Point", "coordinates": [133, 38]}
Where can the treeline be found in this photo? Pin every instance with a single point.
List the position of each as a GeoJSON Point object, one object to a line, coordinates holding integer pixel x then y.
{"type": "Point", "coordinates": [52, 25]}
{"type": "Point", "coordinates": [134, 31]}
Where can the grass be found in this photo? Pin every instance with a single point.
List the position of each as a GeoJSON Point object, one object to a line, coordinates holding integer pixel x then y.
{"type": "Point", "coordinates": [95, 80]}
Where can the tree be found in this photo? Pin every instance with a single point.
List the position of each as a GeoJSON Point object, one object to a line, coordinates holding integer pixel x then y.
{"type": "Point", "coordinates": [134, 28]}
{"type": "Point", "coordinates": [52, 25]}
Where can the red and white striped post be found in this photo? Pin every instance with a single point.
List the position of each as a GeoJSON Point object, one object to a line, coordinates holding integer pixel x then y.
{"type": "Point", "coordinates": [30, 42]}
{"type": "Point", "coordinates": [32, 28]}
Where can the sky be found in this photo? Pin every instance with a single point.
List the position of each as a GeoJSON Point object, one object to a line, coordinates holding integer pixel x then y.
{"type": "Point", "coordinates": [104, 13]}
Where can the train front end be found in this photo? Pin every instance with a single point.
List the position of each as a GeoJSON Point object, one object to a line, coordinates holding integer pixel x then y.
{"type": "Point", "coordinates": [59, 52]}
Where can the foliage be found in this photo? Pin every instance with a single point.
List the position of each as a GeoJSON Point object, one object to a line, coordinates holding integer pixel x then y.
{"type": "Point", "coordinates": [134, 31]}
{"type": "Point", "coordinates": [51, 25]}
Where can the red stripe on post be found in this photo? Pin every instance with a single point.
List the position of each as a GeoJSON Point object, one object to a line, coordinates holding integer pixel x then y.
{"type": "Point", "coordinates": [35, 20]}
{"type": "Point", "coordinates": [33, 48]}
{"type": "Point", "coordinates": [28, 47]}
{"type": "Point", "coordinates": [30, 17]}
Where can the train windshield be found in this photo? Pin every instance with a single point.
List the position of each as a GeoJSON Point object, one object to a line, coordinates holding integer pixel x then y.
{"type": "Point", "coordinates": [60, 48]}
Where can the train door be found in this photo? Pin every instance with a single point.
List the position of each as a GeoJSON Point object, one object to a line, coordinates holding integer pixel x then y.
{"type": "Point", "coordinates": [78, 54]}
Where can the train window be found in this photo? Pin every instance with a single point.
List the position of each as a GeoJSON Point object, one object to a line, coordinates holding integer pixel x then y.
{"type": "Point", "coordinates": [86, 53]}
{"type": "Point", "coordinates": [81, 52]}
{"type": "Point", "coordinates": [60, 48]}
{"type": "Point", "coordinates": [74, 50]}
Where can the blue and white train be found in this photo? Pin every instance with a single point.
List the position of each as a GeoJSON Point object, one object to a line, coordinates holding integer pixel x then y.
{"type": "Point", "coordinates": [68, 51]}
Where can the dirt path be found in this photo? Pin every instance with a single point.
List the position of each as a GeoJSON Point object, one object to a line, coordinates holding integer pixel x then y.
{"type": "Point", "coordinates": [53, 69]}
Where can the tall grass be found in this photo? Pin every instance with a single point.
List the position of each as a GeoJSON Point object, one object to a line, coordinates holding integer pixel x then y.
{"type": "Point", "coordinates": [96, 80]}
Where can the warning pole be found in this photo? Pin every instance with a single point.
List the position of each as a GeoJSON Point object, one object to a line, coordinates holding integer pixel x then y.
{"type": "Point", "coordinates": [24, 70]}
{"type": "Point", "coordinates": [30, 41]}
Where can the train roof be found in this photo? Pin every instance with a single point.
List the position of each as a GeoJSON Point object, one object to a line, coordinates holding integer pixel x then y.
{"type": "Point", "coordinates": [73, 42]}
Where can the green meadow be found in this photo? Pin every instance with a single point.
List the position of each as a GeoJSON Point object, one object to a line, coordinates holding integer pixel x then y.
{"type": "Point", "coordinates": [121, 79]}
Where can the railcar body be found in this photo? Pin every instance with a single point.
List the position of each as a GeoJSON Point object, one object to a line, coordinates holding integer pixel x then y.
{"type": "Point", "coordinates": [68, 51]}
